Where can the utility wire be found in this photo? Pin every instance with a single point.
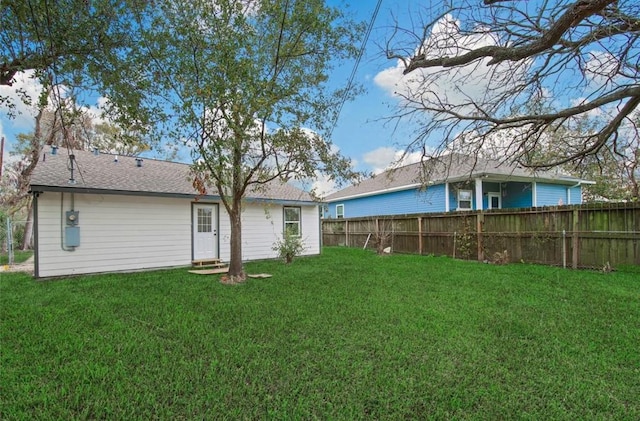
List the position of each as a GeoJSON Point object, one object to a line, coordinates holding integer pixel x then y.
{"type": "Point", "coordinates": [56, 86]}
{"type": "Point", "coordinates": [355, 67]}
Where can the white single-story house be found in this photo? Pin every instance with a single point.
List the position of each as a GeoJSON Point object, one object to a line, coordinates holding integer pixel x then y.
{"type": "Point", "coordinates": [105, 213]}
{"type": "Point", "coordinates": [454, 182]}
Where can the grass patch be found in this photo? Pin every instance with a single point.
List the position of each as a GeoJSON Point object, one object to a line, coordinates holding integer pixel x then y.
{"type": "Point", "coordinates": [346, 335]}
{"type": "Point", "coordinates": [18, 257]}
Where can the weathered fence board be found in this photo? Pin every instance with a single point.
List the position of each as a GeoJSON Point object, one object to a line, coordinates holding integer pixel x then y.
{"type": "Point", "coordinates": [592, 235]}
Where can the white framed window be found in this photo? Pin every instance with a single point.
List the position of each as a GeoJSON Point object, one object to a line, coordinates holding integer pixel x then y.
{"type": "Point", "coordinates": [339, 211]}
{"type": "Point", "coordinates": [465, 199]}
{"type": "Point", "coordinates": [292, 219]}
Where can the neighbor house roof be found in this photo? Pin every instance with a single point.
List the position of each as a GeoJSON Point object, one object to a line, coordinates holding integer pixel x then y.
{"type": "Point", "coordinates": [103, 173]}
{"type": "Point", "coordinates": [449, 168]}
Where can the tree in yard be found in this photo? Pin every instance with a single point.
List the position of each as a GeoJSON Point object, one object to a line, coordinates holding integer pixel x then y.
{"type": "Point", "coordinates": [616, 175]}
{"type": "Point", "coordinates": [243, 85]}
{"type": "Point", "coordinates": [69, 35]}
{"type": "Point", "coordinates": [57, 122]}
{"type": "Point", "coordinates": [524, 77]}
{"type": "Point", "coordinates": [71, 44]}
{"type": "Point", "coordinates": [49, 129]}
{"type": "Point", "coordinates": [381, 232]}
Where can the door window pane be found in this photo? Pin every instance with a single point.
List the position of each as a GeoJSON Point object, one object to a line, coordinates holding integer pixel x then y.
{"type": "Point", "coordinates": [204, 219]}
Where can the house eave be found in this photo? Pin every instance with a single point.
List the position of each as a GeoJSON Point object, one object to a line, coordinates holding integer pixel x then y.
{"type": "Point", "coordinates": [488, 177]}
{"type": "Point", "coordinates": [374, 193]}
{"type": "Point", "coordinates": [35, 188]}
{"type": "Point", "coordinates": [502, 178]}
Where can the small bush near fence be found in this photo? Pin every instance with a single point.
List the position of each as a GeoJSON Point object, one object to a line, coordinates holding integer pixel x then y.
{"type": "Point", "coordinates": [591, 236]}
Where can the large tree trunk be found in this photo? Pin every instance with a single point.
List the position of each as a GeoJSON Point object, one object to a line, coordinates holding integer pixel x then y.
{"type": "Point", "coordinates": [236, 272]}
{"type": "Point", "coordinates": [28, 229]}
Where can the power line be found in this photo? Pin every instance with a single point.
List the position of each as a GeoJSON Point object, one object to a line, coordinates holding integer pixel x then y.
{"type": "Point", "coordinates": [355, 67]}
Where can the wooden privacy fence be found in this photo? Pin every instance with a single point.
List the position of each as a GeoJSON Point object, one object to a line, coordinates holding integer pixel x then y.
{"type": "Point", "coordinates": [589, 236]}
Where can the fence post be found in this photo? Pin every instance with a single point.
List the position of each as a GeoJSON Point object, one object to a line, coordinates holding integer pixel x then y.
{"type": "Point", "coordinates": [9, 241]}
{"type": "Point", "coordinates": [480, 224]}
{"type": "Point", "coordinates": [575, 239]}
{"type": "Point", "coordinates": [346, 233]}
{"type": "Point", "coordinates": [564, 249]}
{"type": "Point", "coordinates": [420, 235]}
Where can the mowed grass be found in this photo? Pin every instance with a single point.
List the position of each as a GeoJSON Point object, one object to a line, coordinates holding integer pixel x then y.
{"type": "Point", "coordinates": [18, 257]}
{"type": "Point", "coordinates": [346, 335]}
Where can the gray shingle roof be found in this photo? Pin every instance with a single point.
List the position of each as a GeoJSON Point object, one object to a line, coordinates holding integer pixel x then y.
{"type": "Point", "coordinates": [102, 173]}
{"type": "Point", "coordinates": [451, 168]}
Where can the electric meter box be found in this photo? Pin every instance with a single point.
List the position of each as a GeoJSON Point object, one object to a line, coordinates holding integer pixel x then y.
{"type": "Point", "coordinates": [72, 236]}
{"type": "Point", "coordinates": [72, 217]}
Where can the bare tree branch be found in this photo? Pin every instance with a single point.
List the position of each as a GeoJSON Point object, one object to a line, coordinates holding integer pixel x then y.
{"type": "Point", "coordinates": [550, 84]}
{"type": "Point", "coordinates": [574, 15]}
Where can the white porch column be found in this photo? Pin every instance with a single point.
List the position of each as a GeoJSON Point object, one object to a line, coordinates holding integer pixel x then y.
{"type": "Point", "coordinates": [478, 194]}
{"type": "Point", "coordinates": [446, 197]}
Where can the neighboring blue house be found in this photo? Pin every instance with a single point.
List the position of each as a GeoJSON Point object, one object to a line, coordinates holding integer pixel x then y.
{"type": "Point", "coordinates": [453, 183]}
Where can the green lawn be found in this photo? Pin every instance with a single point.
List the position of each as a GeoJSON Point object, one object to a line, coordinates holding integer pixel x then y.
{"type": "Point", "coordinates": [347, 335]}
{"type": "Point", "coordinates": [18, 257]}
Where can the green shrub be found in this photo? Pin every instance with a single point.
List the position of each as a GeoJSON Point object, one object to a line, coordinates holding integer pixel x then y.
{"type": "Point", "coordinates": [288, 247]}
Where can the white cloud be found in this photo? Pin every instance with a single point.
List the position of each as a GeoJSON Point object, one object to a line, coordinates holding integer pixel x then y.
{"type": "Point", "coordinates": [26, 86]}
{"type": "Point", "coordinates": [323, 186]}
{"type": "Point", "coordinates": [456, 85]}
{"type": "Point", "coordinates": [8, 159]}
{"type": "Point", "coordinates": [379, 159]}
{"type": "Point", "coordinates": [383, 158]}
{"type": "Point", "coordinates": [2, 135]}
{"type": "Point", "coordinates": [96, 111]}
{"type": "Point", "coordinates": [601, 67]}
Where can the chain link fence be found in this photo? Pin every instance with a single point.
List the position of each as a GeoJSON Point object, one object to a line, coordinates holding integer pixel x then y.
{"type": "Point", "coordinates": [11, 239]}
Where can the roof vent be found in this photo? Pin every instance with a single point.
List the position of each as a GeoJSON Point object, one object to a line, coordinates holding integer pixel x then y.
{"type": "Point", "coordinates": [70, 167]}
{"type": "Point", "coordinates": [138, 162]}
{"type": "Point", "coordinates": [54, 150]}
{"type": "Point", "coordinates": [115, 158]}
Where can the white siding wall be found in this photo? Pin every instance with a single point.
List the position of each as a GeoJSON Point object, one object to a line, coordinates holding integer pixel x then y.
{"type": "Point", "coordinates": [117, 233]}
{"type": "Point", "coordinates": [124, 233]}
{"type": "Point", "coordinates": [262, 226]}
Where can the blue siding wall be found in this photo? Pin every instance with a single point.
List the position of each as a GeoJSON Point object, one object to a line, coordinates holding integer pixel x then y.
{"type": "Point", "coordinates": [453, 198]}
{"type": "Point", "coordinates": [394, 203]}
{"type": "Point", "coordinates": [575, 196]}
{"type": "Point", "coordinates": [486, 189]}
{"type": "Point", "coordinates": [555, 194]}
{"type": "Point", "coordinates": [514, 195]}
{"type": "Point", "coordinates": [551, 195]}
{"type": "Point", "coordinates": [519, 195]}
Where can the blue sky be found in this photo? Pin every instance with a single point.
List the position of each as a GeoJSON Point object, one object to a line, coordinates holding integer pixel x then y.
{"type": "Point", "coordinates": [361, 132]}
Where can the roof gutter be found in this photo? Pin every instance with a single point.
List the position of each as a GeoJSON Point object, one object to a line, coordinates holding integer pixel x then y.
{"type": "Point", "coordinates": [87, 190]}
{"type": "Point", "coordinates": [375, 192]}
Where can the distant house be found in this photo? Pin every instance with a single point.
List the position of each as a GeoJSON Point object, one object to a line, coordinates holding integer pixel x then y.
{"type": "Point", "coordinates": [103, 213]}
{"type": "Point", "coordinates": [453, 183]}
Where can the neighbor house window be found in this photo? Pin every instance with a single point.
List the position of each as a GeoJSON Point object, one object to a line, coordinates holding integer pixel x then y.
{"type": "Point", "coordinates": [339, 211]}
{"type": "Point", "coordinates": [464, 199]}
{"type": "Point", "coordinates": [292, 221]}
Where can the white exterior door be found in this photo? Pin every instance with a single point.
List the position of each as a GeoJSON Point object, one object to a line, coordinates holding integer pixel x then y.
{"type": "Point", "coordinates": [495, 201]}
{"type": "Point", "coordinates": [205, 231]}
